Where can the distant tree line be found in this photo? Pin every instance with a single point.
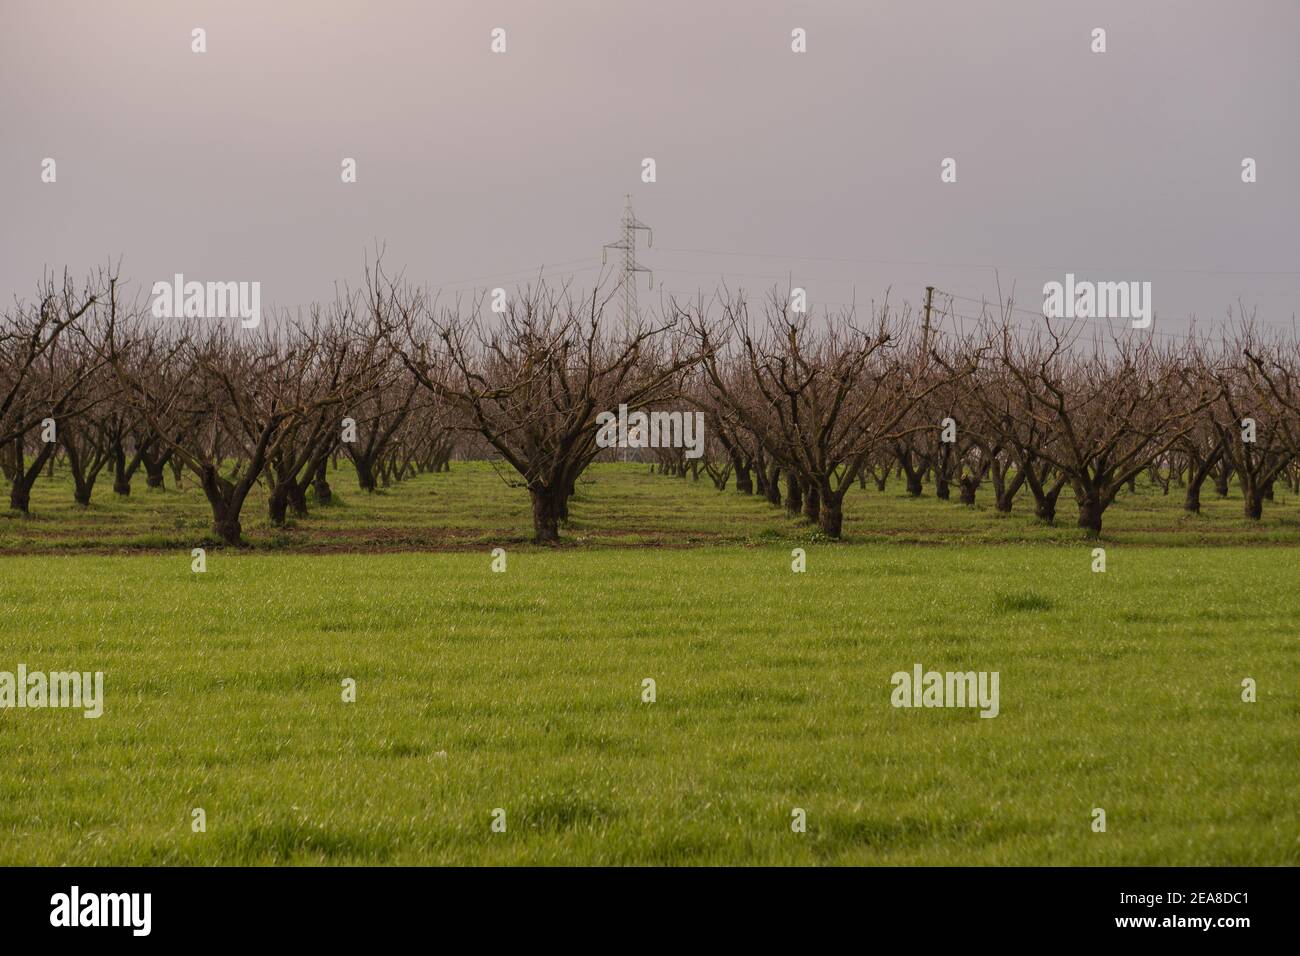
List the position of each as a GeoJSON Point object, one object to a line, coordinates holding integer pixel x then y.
{"type": "Point", "coordinates": [799, 408]}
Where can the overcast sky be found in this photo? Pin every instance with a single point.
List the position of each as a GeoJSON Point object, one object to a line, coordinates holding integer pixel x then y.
{"type": "Point", "coordinates": [477, 168]}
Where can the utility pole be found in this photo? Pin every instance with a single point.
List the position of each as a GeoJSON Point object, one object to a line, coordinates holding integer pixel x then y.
{"type": "Point", "coordinates": [627, 245]}
{"type": "Point", "coordinates": [925, 329]}
{"type": "Point", "coordinates": [929, 294]}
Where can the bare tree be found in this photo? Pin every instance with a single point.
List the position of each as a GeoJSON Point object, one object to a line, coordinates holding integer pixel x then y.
{"type": "Point", "coordinates": [823, 397]}
{"type": "Point", "coordinates": [42, 377]}
{"type": "Point", "coordinates": [1255, 415]}
{"type": "Point", "coordinates": [1110, 409]}
{"type": "Point", "coordinates": [534, 380]}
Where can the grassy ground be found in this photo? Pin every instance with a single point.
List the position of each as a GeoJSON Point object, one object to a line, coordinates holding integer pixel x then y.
{"type": "Point", "coordinates": [522, 690]}
{"type": "Point", "coordinates": [617, 506]}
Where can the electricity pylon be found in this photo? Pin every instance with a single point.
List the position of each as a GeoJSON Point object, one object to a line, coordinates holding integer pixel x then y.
{"type": "Point", "coordinates": [630, 268]}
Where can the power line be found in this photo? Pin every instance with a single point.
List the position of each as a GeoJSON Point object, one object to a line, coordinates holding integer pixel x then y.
{"type": "Point", "coordinates": [975, 265]}
{"type": "Point", "coordinates": [938, 314]}
{"type": "Point", "coordinates": [1187, 336]}
{"type": "Point", "coordinates": [627, 245]}
{"type": "Point", "coordinates": [532, 270]}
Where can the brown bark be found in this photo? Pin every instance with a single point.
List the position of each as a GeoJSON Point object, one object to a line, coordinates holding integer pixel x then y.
{"type": "Point", "coordinates": [793, 493]}
{"type": "Point", "coordinates": [546, 517]}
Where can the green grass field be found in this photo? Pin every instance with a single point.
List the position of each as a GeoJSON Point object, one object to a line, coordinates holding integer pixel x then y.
{"type": "Point", "coordinates": [523, 690]}
{"type": "Point", "coordinates": [617, 506]}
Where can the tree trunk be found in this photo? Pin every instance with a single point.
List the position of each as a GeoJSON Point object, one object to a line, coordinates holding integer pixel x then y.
{"type": "Point", "coordinates": [228, 530]}
{"type": "Point", "coordinates": [365, 472]}
{"type": "Point", "coordinates": [793, 493]}
{"type": "Point", "coordinates": [1090, 510]}
{"type": "Point", "coordinates": [546, 519]}
{"type": "Point", "coordinates": [20, 495]}
{"type": "Point", "coordinates": [943, 473]}
{"type": "Point", "coordinates": [81, 491]}
{"type": "Point", "coordinates": [1253, 501]}
{"type": "Point", "coordinates": [968, 488]}
{"type": "Point", "coordinates": [1197, 472]}
{"type": "Point", "coordinates": [1006, 495]}
{"type": "Point", "coordinates": [812, 503]}
{"type": "Point", "coordinates": [1044, 497]}
{"type": "Point", "coordinates": [277, 504]}
{"type": "Point", "coordinates": [121, 478]}
{"type": "Point", "coordinates": [744, 482]}
{"type": "Point", "coordinates": [774, 485]}
{"type": "Point", "coordinates": [154, 476]}
{"type": "Point", "coordinates": [225, 504]}
{"type": "Point", "coordinates": [320, 483]}
{"type": "Point", "coordinates": [832, 513]}
{"type": "Point", "coordinates": [1222, 479]}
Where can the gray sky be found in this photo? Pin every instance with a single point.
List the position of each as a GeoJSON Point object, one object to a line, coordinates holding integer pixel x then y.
{"type": "Point", "coordinates": [477, 168]}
